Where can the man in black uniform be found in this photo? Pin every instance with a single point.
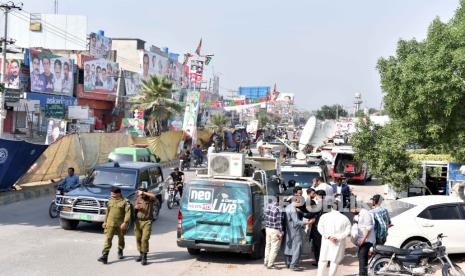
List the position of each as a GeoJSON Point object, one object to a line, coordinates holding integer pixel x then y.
{"type": "Point", "coordinates": [178, 179]}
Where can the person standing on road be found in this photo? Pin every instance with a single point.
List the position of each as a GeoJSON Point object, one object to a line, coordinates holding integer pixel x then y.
{"type": "Point", "coordinates": [178, 179]}
{"type": "Point", "coordinates": [294, 233]}
{"type": "Point", "coordinates": [341, 192]}
{"type": "Point", "coordinates": [70, 182]}
{"type": "Point", "coordinates": [382, 219]}
{"type": "Point", "coordinates": [116, 222]}
{"type": "Point", "coordinates": [316, 198]}
{"type": "Point", "coordinates": [365, 238]}
{"type": "Point", "coordinates": [274, 233]}
{"type": "Point", "coordinates": [143, 223]}
{"type": "Point", "coordinates": [322, 185]}
{"type": "Point", "coordinates": [334, 228]}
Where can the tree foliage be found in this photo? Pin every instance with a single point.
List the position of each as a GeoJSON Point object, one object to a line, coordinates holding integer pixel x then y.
{"type": "Point", "coordinates": [424, 86]}
{"type": "Point", "coordinates": [155, 99]}
{"type": "Point", "coordinates": [383, 149]}
{"type": "Point", "coordinates": [218, 121]}
{"type": "Point", "coordinates": [265, 118]}
{"type": "Point", "coordinates": [331, 112]}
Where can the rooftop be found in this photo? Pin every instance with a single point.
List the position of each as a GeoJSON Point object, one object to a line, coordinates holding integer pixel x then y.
{"type": "Point", "coordinates": [128, 165]}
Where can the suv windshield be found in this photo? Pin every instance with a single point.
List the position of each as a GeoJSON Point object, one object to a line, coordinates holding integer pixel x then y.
{"type": "Point", "coordinates": [119, 157]}
{"type": "Point", "coordinates": [124, 179]}
{"type": "Point", "coordinates": [302, 179]}
{"type": "Point", "coordinates": [396, 207]}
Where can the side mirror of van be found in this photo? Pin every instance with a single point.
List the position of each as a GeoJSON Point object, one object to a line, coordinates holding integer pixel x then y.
{"type": "Point", "coordinates": [145, 184]}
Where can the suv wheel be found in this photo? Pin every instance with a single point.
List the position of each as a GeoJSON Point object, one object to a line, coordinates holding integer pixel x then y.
{"type": "Point", "coordinates": [68, 224]}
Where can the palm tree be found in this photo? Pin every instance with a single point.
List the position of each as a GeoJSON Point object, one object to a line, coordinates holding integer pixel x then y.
{"type": "Point", "coordinates": [218, 121]}
{"type": "Point", "coordinates": [155, 99]}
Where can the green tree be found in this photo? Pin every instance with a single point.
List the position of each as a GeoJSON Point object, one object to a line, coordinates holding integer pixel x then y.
{"type": "Point", "coordinates": [218, 121]}
{"type": "Point", "coordinates": [331, 112]}
{"type": "Point", "coordinates": [155, 99]}
{"type": "Point", "coordinates": [265, 118]}
{"type": "Point", "coordinates": [424, 86]}
{"type": "Point", "coordinates": [383, 148]}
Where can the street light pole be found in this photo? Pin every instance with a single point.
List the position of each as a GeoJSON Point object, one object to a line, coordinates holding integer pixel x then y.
{"type": "Point", "coordinates": [6, 9]}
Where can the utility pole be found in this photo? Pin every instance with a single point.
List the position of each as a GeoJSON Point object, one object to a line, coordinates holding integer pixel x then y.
{"type": "Point", "coordinates": [55, 2]}
{"type": "Point", "coordinates": [7, 7]}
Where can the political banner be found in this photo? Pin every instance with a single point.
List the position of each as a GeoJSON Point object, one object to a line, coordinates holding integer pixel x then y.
{"type": "Point", "coordinates": [51, 74]}
{"type": "Point", "coordinates": [56, 111]}
{"type": "Point", "coordinates": [189, 125]}
{"type": "Point", "coordinates": [100, 76]}
{"type": "Point", "coordinates": [13, 74]}
{"type": "Point", "coordinates": [286, 98]}
{"type": "Point", "coordinates": [133, 126]}
{"type": "Point", "coordinates": [153, 64]}
{"type": "Point", "coordinates": [132, 82]}
{"type": "Point", "coordinates": [55, 130]}
{"type": "Point", "coordinates": [100, 46]}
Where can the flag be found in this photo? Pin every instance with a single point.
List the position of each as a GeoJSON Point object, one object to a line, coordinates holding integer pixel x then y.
{"type": "Point", "coordinates": [199, 47]}
{"type": "Point", "coordinates": [208, 59]}
{"type": "Point", "coordinates": [186, 58]}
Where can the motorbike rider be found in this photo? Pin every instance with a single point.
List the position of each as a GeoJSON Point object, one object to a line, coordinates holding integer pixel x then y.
{"type": "Point", "coordinates": [185, 156]}
{"type": "Point", "coordinates": [178, 179]}
{"type": "Point", "coordinates": [198, 154]}
{"type": "Point", "coordinates": [70, 182]}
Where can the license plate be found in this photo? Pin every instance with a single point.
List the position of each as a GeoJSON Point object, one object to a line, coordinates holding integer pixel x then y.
{"type": "Point", "coordinates": [85, 217]}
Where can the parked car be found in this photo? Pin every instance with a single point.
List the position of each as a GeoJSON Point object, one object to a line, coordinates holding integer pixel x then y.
{"type": "Point", "coordinates": [422, 218]}
{"type": "Point", "coordinates": [89, 201]}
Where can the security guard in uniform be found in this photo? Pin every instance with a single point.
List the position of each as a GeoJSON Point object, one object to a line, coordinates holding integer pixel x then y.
{"type": "Point", "coordinates": [143, 223]}
{"type": "Point", "coordinates": [116, 222]}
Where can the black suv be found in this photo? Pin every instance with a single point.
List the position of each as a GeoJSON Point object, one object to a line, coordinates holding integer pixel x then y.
{"type": "Point", "coordinates": [88, 202]}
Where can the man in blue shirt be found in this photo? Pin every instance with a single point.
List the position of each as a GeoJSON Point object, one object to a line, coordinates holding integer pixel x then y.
{"type": "Point", "coordinates": [382, 219]}
{"type": "Point", "coordinates": [70, 182]}
{"type": "Point", "coordinates": [198, 154]}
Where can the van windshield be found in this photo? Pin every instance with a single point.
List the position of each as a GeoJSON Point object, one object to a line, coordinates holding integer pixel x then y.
{"type": "Point", "coordinates": [302, 179]}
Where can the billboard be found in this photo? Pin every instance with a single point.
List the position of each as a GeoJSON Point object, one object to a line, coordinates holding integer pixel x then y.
{"type": "Point", "coordinates": [100, 75]}
{"type": "Point", "coordinates": [254, 92]}
{"type": "Point", "coordinates": [13, 74]}
{"type": "Point", "coordinates": [286, 98]}
{"type": "Point", "coordinates": [133, 126]}
{"type": "Point", "coordinates": [132, 82]}
{"type": "Point", "coordinates": [100, 46]}
{"type": "Point", "coordinates": [153, 64]}
{"type": "Point", "coordinates": [55, 130]}
{"type": "Point", "coordinates": [189, 125]}
{"type": "Point", "coordinates": [51, 74]}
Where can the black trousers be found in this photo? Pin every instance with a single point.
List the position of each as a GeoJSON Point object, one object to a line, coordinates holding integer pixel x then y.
{"type": "Point", "coordinates": [316, 245]}
{"type": "Point", "coordinates": [363, 258]}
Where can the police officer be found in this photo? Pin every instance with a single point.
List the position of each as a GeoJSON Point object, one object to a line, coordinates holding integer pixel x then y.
{"type": "Point", "coordinates": [116, 221]}
{"type": "Point", "coordinates": [143, 223]}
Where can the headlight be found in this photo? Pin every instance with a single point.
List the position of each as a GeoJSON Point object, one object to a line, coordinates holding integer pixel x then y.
{"type": "Point", "coordinates": [68, 200]}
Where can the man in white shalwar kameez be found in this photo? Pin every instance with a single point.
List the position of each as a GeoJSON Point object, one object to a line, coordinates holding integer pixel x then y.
{"type": "Point", "coordinates": [334, 228]}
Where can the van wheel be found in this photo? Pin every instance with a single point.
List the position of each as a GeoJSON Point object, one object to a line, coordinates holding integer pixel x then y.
{"type": "Point", "coordinates": [259, 249]}
{"type": "Point", "coordinates": [68, 224]}
{"type": "Point", "coordinates": [193, 251]}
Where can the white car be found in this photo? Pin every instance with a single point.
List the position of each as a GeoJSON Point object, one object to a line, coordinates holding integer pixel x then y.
{"type": "Point", "coordinates": [422, 218]}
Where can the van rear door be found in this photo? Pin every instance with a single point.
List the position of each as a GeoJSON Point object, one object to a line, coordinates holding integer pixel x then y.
{"type": "Point", "coordinates": [216, 211]}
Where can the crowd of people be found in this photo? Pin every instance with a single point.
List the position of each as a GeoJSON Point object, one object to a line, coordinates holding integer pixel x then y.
{"type": "Point", "coordinates": [321, 220]}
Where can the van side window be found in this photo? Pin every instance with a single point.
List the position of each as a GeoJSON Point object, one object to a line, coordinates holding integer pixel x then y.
{"type": "Point", "coordinates": [144, 176]}
{"type": "Point", "coordinates": [156, 175]}
{"type": "Point", "coordinates": [143, 159]}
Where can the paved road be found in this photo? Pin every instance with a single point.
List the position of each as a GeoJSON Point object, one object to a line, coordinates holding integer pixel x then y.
{"type": "Point", "coordinates": [33, 244]}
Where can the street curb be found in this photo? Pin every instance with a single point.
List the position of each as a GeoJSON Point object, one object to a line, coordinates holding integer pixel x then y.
{"type": "Point", "coordinates": [31, 192]}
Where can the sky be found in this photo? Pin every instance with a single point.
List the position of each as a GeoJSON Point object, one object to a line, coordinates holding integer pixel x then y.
{"type": "Point", "coordinates": [323, 51]}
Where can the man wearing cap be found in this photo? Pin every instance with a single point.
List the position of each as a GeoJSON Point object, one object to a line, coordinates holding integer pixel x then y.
{"type": "Point", "coordinates": [117, 217]}
{"type": "Point", "coordinates": [143, 223]}
{"type": "Point", "coordinates": [382, 219]}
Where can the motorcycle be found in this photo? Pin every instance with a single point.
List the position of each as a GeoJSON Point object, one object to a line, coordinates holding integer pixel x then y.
{"type": "Point", "coordinates": [54, 209]}
{"type": "Point", "coordinates": [197, 162]}
{"type": "Point", "coordinates": [419, 260]}
{"type": "Point", "coordinates": [173, 195]}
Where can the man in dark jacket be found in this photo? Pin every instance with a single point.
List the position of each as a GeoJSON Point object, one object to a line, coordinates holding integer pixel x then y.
{"type": "Point", "coordinates": [341, 192]}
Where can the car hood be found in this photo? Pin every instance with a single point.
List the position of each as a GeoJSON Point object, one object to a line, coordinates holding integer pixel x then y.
{"type": "Point", "coordinates": [97, 192]}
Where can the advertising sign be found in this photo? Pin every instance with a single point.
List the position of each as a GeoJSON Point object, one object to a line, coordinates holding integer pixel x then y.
{"type": "Point", "coordinates": [133, 126]}
{"type": "Point", "coordinates": [100, 46]}
{"type": "Point", "coordinates": [252, 127]}
{"type": "Point", "coordinates": [196, 73]}
{"type": "Point", "coordinates": [13, 73]}
{"type": "Point", "coordinates": [51, 74]}
{"type": "Point", "coordinates": [100, 75]}
{"type": "Point", "coordinates": [56, 111]}
{"type": "Point", "coordinates": [189, 125]}
{"type": "Point", "coordinates": [55, 130]}
{"type": "Point", "coordinates": [78, 112]}
{"type": "Point", "coordinates": [132, 82]}
{"type": "Point", "coordinates": [153, 64]}
{"type": "Point", "coordinates": [12, 96]}
{"type": "Point", "coordinates": [285, 97]}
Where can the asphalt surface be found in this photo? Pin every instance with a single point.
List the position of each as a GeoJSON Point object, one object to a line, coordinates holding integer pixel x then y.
{"type": "Point", "coordinates": [34, 244]}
